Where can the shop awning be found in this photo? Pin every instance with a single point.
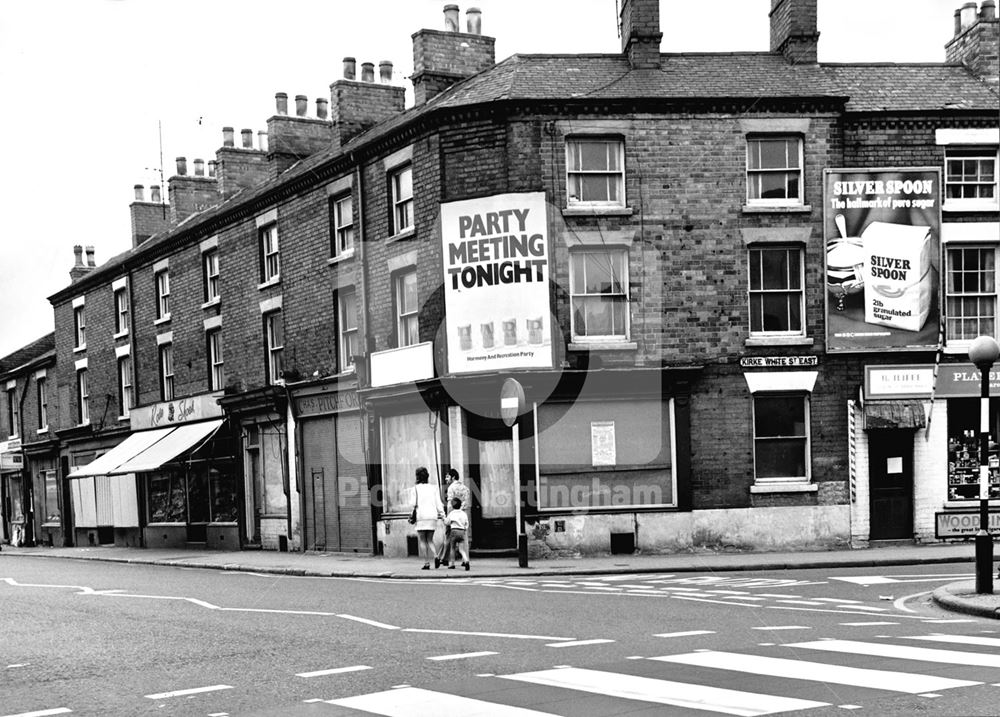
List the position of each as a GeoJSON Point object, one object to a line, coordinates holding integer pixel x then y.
{"type": "Point", "coordinates": [127, 449]}
{"type": "Point", "coordinates": [894, 414]}
{"type": "Point", "coordinates": [181, 439]}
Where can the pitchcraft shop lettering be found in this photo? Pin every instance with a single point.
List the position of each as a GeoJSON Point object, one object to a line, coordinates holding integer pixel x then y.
{"type": "Point", "coordinates": [506, 256]}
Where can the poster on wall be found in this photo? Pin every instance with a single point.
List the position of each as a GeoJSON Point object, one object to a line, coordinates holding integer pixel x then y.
{"type": "Point", "coordinates": [496, 283]}
{"type": "Point", "coordinates": [882, 233]}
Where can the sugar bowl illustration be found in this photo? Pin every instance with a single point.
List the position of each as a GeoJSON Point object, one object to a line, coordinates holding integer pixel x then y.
{"type": "Point", "coordinates": [845, 264]}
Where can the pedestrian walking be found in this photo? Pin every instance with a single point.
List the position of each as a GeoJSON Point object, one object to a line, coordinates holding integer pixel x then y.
{"type": "Point", "coordinates": [456, 489]}
{"type": "Point", "coordinates": [427, 513]}
{"type": "Point", "coordinates": [457, 522]}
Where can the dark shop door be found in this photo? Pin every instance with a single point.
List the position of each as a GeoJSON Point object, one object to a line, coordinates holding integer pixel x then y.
{"type": "Point", "coordinates": [491, 471]}
{"type": "Point", "coordinates": [890, 475]}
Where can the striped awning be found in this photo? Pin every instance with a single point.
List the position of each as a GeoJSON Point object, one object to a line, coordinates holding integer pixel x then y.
{"type": "Point", "coordinates": [894, 414]}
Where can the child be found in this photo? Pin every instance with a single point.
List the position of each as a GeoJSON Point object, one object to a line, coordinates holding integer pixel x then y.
{"type": "Point", "coordinates": [457, 522]}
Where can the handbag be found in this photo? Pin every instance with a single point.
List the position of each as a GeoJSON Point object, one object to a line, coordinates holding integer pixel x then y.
{"type": "Point", "coordinates": [413, 513]}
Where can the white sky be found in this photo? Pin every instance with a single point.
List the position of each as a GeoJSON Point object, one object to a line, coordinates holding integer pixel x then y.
{"type": "Point", "coordinates": [84, 83]}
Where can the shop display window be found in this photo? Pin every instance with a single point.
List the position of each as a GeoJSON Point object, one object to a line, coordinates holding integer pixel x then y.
{"type": "Point", "coordinates": [223, 487]}
{"type": "Point", "coordinates": [51, 496]}
{"type": "Point", "coordinates": [167, 498]}
{"type": "Point", "coordinates": [408, 441]}
{"type": "Point", "coordinates": [15, 509]}
{"type": "Point", "coordinates": [963, 449]}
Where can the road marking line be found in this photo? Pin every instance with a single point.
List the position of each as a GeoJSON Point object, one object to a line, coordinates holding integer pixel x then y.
{"type": "Point", "coordinates": [485, 634]}
{"type": "Point", "coordinates": [716, 602]}
{"type": "Point", "coordinates": [486, 674]}
{"type": "Point", "coordinates": [728, 592]}
{"type": "Point", "coordinates": [839, 612]}
{"type": "Point", "coordinates": [905, 652]}
{"type": "Point", "coordinates": [43, 713]}
{"type": "Point", "coordinates": [865, 624]}
{"type": "Point", "coordinates": [778, 595]}
{"type": "Point", "coordinates": [635, 657]}
{"type": "Point", "coordinates": [334, 671]}
{"type": "Point", "coordinates": [415, 702]}
{"type": "Point", "coordinates": [19, 664]}
{"type": "Point", "coordinates": [192, 691]}
{"type": "Point", "coordinates": [782, 627]}
{"type": "Point", "coordinates": [461, 656]}
{"type": "Point", "coordinates": [679, 694]}
{"type": "Point", "coordinates": [863, 607]}
{"type": "Point", "coordinates": [804, 602]}
{"type": "Point", "coordinates": [929, 694]}
{"type": "Point", "coordinates": [794, 669]}
{"type": "Point", "coordinates": [576, 643]}
{"type": "Point", "coordinates": [958, 639]}
{"type": "Point", "coordinates": [939, 622]}
{"type": "Point", "coordinates": [849, 707]}
{"type": "Point", "coordinates": [373, 623]}
{"type": "Point", "coordinates": [838, 601]}
{"type": "Point", "coordinates": [686, 633]}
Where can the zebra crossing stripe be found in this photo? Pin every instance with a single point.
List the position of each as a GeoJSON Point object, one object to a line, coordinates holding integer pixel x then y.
{"type": "Point", "coordinates": [678, 694]}
{"type": "Point", "coordinates": [415, 702]}
{"type": "Point", "coordinates": [960, 639]}
{"type": "Point", "coordinates": [903, 652]}
{"type": "Point", "coordinates": [817, 671]}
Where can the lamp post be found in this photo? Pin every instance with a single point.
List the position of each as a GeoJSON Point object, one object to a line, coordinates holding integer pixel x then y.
{"type": "Point", "coordinates": [983, 352]}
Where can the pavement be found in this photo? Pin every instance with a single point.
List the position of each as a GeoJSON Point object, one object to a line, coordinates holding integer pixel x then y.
{"type": "Point", "coordinates": [958, 597]}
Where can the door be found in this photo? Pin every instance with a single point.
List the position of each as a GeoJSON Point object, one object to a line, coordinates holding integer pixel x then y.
{"type": "Point", "coordinates": [319, 459]}
{"type": "Point", "coordinates": [890, 475]}
{"type": "Point", "coordinates": [491, 469]}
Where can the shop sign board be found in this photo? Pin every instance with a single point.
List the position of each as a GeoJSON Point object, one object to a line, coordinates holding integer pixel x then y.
{"type": "Point", "coordinates": [10, 455]}
{"type": "Point", "coordinates": [495, 253]}
{"type": "Point", "coordinates": [952, 524]}
{"type": "Point", "coordinates": [963, 380]}
{"type": "Point", "coordinates": [902, 381]}
{"type": "Point", "coordinates": [882, 232]}
{"type": "Point", "coordinates": [176, 412]}
{"type": "Point", "coordinates": [324, 403]}
{"type": "Point", "coordinates": [778, 361]}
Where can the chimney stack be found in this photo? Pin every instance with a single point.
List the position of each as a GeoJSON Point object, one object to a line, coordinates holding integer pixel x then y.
{"type": "Point", "coordinates": [639, 23]}
{"type": "Point", "coordinates": [293, 138]}
{"type": "Point", "coordinates": [190, 194]}
{"type": "Point", "coordinates": [976, 43]}
{"type": "Point", "coordinates": [147, 218]}
{"type": "Point", "coordinates": [443, 57]}
{"type": "Point", "coordinates": [793, 30]}
{"type": "Point", "coordinates": [237, 168]}
{"type": "Point", "coordinates": [79, 269]}
{"type": "Point", "coordinates": [357, 106]}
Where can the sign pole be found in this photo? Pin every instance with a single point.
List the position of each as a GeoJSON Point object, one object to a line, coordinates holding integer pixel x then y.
{"type": "Point", "coordinates": [511, 408]}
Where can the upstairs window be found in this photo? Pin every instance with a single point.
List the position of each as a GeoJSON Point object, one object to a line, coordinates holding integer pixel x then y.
{"type": "Point", "coordinates": [80, 326]}
{"type": "Point", "coordinates": [774, 170]}
{"type": "Point", "coordinates": [777, 299]}
{"type": "Point", "coordinates": [210, 274]}
{"type": "Point", "coordinates": [13, 416]}
{"type": "Point", "coordinates": [270, 258]}
{"type": "Point", "coordinates": [82, 396]}
{"type": "Point", "coordinates": [970, 177]}
{"type": "Point", "coordinates": [126, 398]}
{"type": "Point", "coordinates": [162, 294]}
{"type": "Point", "coordinates": [407, 321]}
{"type": "Point", "coordinates": [43, 403]}
{"type": "Point", "coordinates": [166, 372]}
{"type": "Point", "coordinates": [275, 345]}
{"type": "Point", "coordinates": [595, 172]}
{"type": "Point", "coordinates": [401, 190]}
{"type": "Point", "coordinates": [347, 310]}
{"type": "Point", "coordinates": [341, 225]}
{"type": "Point", "coordinates": [216, 374]}
{"type": "Point", "coordinates": [121, 311]}
{"type": "Point", "coordinates": [599, 294]}
{"type": "Point", "coordinates": [971, 292]}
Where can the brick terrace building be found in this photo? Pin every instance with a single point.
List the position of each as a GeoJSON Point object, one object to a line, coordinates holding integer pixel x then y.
{"type": "Point", "coordinates": [640, 239]}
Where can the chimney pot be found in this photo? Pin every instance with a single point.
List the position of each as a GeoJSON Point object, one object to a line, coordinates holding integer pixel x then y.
{"type": "Point", "coordinates": [474, 21]}
{"type": "Point", "coordinates": [367, 71]}
{"type": "Point", "coordinates": [227, 136]}
{"type": "Point", "coordinates": [969, 15]}
{"type": "Point", "coordinates": [199, 168]}
{"type": "Point", "coordinates": [988, 11]}
{"type": "Point", "coordinates": [262, 141]}
{"type": "Point", "coordinates": [139, 193]}
{"type": "Point", "coordinates": [451, 18]}
{"type": "Point", "coordinates": [182, 166]}
{"type": "Point", "coordinates": [281, 103]}
{"type": "Point", "coordinates": [958, 22]}
{"type": "Point", "coordinates": [247, 138]}
{"type": "Point", "coordinates": [349, 68]}
{"type": "Point", "coordinates": [301, 105]}
{"type": "Point", "coordinates": [211, 167]}
{"type": "Point", "coordinates": [77, 255]}
{"type": "Point", "coordinates": [385, 72]}
{"type": "Point", "coordinates": [321, 107]}
{"type": "Point", "coordinates": [154, 194]}
{"type": "Point", "coordinates": [90, 256]}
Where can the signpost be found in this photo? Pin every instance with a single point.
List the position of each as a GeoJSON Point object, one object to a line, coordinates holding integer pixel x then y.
{"type": "Point", "coordinates": [511, 407]}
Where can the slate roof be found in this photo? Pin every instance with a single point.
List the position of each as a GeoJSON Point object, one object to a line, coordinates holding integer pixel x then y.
{"type": "Point", "coordinates": [26, 354]}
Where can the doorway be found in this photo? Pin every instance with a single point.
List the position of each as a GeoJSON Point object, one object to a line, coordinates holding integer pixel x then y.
{"type": "Point", "coordinates": [890, 476]}
{"type": "Point", "coordinates": [491, 472]}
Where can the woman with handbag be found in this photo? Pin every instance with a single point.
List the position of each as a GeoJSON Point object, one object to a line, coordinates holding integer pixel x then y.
{"type": "Point", "coordinates": [427, 513]}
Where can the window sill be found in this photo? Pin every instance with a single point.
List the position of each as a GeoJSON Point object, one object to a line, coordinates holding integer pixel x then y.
{"type": "Point", "coordinates": [120, 335]}
{"type": "Point", "coordinates": [603, 346]}
{"type": "Point", "coordinates": [79, 349]}
{"type": "Point", "coordinates": [346, 256]}
{"type": "Point", "coordinates": [273, 281]}
{"type": "Point", "coordinates": [41, 431]}
{"type": "Point", "coordinates": [211, 302]}
{"type": "Point", "coordinates": [597, 212]}
{"type": "Point", "coordinates": [972, 206]}
{"type": "Point", "coordinates": [765, 488]}
{"type": "Point", "coordinates": [163, 320]}
{"type": "Point", "coordinates": [405, 234]}
{"type": "Point", "coordinates": [777, 209]}
{"type": "Point", "coordinates": [778, 341]}
{"type": "Point", "coordinates": [124, 418]}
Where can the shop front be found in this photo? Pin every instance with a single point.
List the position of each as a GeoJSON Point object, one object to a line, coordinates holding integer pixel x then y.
{"type": "Point", "coordinates": [12, 492]}
{"type": "Point", "coordinates": [42, 459]}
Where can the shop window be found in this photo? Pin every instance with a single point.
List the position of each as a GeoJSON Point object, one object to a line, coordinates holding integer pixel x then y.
{"type": "Point", "coordinates": [82, 396]}
{"type": "Point", "coordinates": [270, 256]}
{"type": "Point", "coordinates": [781, 438]}
{"type": "Point", "coordinates": [121, 311]}
{"type": "Point", "coordinates": [13, 415]}
{"type": "Point", "coordinates": [963, 449]}
{"type": "Point", "coordinates": [126, 398]}
{"type": "Point", "coordinates": [408, 441]}
{"type": "Point", "coordinates": [774, 170]}
{"type": "Point", "coordinates": [216, 371]}
{"type": "Point", "coordinates": [222, 484]}
{"type": "Point", "coordinates": [15, 503]}
{"type": "Point", "coordinates": [777, 299]}
{"type": "Point", "coordinates": [210, 274]}
{"type": "Point", "coordinates": [275, 344]}
{"type": "Point", "coordinates": [595, 172]}
{"type": "Point", "coordinates": [407, 320]}
{"type": "Point", "coordinates": [971, 292]}
{"type": "Point", "coordinates": [80, 327]}
{"type": "Point", "coordinates": [166, 372]}
{"type": "Point", "coordinates": [605, 454]}
{"type": "Point", "coordinates": [50, 496]}
{"type": "Point", "coordinates": [162, 279]}
{"type": "Point", "coordinates": [599, 294]}
{"type": "Point", "coordinates": [272, 470]}
{"type": "Point", "coordinates": [42, 392]}
{"type": "Point", "coordinates": [970, 178]}
{"type": "Point", "coordinates": [347, 312]}
{"type": "Point", "coordinates": [341, 225]}
{"type": "Point", "coordinates": [167, 497]}
{"type": "Point", "coordinates": [401, 196]}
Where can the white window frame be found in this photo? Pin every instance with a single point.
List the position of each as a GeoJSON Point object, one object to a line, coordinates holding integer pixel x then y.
{"type": "Point", "coordinates": [402, 204]}
{"type": "Point", "coordinates": [762, 249]}
{"type": "Point", "coordinates": [274, 349]}
{"type": "Point", "coordinates": [121, 311]}
{"type": "Point", "coordinates": [406, 318]}
{"type": "Point", "coordinates": [83, 397]}
{"type": "Point", "coordinates": [805, 437]}
{"type": "Point", "coordinates": [348, 334]}
{"type": "Point", "coordinates": [13, 414]}
{"type": "Point", "coordinates": [752, 173]}
{"type": "Point", "coordinates": [126, 396]}
{"type": "Point", "coordinates": [270, 253]}
{"type": "Point", "coordinates": [166, 361]}
{"type": "Point", "coordinates": [979, 154]}
{"type": "Point", "coordinates": [42, 395]}
{"type": "Point", "coordinates": [162, 279]}
{"type": "Point", "coordinates": [954, 341]}
{"type": "Point", "coordinates": [577, 256]}
{"type": "Point", "coordinates": [342, 239]}
{"type": "Point", "coordinates": [210, 273]}
{"type": "Point", "coordinates": [80, 327]}
{"type": "Point", "coordinates": [612, 175]}
{"type": "Point", "coordinates": [216, 365]}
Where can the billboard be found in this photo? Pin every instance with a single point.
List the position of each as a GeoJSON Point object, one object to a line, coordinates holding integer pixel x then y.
{"type": "Point", "coordinates": [882, 234]}
{"type": "Point", "coordinates": [495, 254]}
